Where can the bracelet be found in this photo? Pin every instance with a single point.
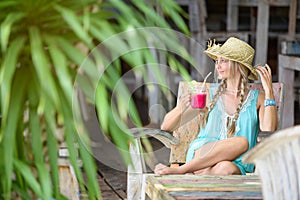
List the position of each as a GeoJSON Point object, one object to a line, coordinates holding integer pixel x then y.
{"type": "Point", "coordinates": [270, 102]}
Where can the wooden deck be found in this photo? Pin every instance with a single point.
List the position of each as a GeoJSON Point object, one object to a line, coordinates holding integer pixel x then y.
{"type": "Point", "coordinates": [112, 183]}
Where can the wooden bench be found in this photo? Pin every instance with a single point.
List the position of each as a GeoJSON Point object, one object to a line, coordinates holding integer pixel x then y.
{"type": "Point", "coordinates": [178, 142]}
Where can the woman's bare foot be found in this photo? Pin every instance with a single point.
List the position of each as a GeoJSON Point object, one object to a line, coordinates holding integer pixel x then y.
{"type": "Point", "coordinates": [161, 169]}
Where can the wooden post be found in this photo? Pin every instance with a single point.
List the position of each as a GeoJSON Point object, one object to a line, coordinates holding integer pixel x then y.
{"type": "Point", "coordinates": [262, 33]}
{"type": "Point", "coordinates": [287, 65]}
{"type": "Point", "coordinates": [135, 172]}
{"type": "Point", "coordinates": [68, 183]}
{"type": "Point", "coordinates": [232, 15]}
{"type": "Point", "coordinates": [292, 19]}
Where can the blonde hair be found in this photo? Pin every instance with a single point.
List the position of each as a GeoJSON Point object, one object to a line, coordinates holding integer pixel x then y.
{"type": "Point", "coordinates": [231, 123]}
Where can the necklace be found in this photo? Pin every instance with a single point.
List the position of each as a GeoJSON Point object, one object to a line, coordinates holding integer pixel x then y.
{"type": "Point", "coordinates": [232, 91]}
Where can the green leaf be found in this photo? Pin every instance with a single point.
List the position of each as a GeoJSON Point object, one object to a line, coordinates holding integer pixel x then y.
{"type": "Point", "coordinates": [34, 123]}
{"type": "Point", "coordinates": [177, 66]}
{"type": "Point", "coordinates": [90, 168]}
{"type": "Point", "coordinates": [134, 114]}
{"type": "Point", "coordinates": [71, 18]}
{"type": "Point", "coordinates": [74, 54]}
{"type": "Point", "coordinates": [35, 131]}
{"type": "Point", "coordinates": [52, 144]}
{"type": "Point", "coordinates": [151, 14]}
{"type": "Point", "coordinates": [102, 108]}
{"type": "Point", "coordinates": [8, 3]}
{"type": "Point", "coordinates": [6, 28]}
{"type": "Point", "coordinates": [7, 72]}
{"type": "Point", "coordinates": [118, 130]}
{"type": "Point", "coordinates": [179, 21]}
{"type": "Point", "coordinates": [73, 152]}
{"type": "Point", "coordinates": [44, 179]}
{"type": "Point", "coordinates": [70, 140]}
{"type": "Point", "coordinates": [176, 13]}
{"type": "Point", "coordinates": [60, 65]}
{"type": "Point", "coordinates": [8, 130]}
{"type": "Point", "coordinates": [86, 86]}
{"type": "Point", "coordinates": [103, 31]}
{"type": "Point", "coordinates": [22, 192]}
{"type": "Point", "coordinates": [42, 65]}
{"type": "Point", "coordinates": [28, 176]}
{"type": "Point", "coordinates": [126, 12]}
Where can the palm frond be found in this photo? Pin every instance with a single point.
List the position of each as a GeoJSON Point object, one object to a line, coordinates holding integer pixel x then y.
{"type": "Point", "coordinates": [50, 50]}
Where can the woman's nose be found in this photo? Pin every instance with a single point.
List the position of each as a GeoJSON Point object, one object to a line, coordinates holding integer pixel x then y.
{"type": "Point", "coordinates": [217, 65]}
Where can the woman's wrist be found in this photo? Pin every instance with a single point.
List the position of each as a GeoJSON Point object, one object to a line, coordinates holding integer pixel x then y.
{"type": "Point", "coordinates": [269, 95]}
{"type": "Point", "coordinates": [270, 102]}
{"type": "Point", "coordinates": [180, 108]}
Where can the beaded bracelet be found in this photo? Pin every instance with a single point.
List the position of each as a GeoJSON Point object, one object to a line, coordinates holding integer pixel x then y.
{"type": "Point", "coordinates": [270, 102]}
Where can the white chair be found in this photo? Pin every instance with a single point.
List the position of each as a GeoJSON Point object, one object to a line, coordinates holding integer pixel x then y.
{"type": "Point", "coordinates": [277, 162]}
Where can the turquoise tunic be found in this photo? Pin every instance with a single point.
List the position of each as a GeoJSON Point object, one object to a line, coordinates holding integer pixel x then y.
{"type": "Point", "coordinates": [215, 129]}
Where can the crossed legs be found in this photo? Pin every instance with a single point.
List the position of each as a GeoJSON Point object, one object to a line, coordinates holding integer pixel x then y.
{"type": "Point", "coordinates": [211, 158]}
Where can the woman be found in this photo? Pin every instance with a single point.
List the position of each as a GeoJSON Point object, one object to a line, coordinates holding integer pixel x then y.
{"type": "Point", "coordinates": [232, 118]}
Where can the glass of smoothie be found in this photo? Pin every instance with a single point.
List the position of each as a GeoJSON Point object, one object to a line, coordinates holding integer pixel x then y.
{"type": "Point", "coordinates": [199, 94]}
{"type": "Point", "coordinates": [198, 100]}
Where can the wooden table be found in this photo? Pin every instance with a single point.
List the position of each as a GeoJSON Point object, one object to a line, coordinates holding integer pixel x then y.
{"type": "Point", "coordinates": [171, 187]}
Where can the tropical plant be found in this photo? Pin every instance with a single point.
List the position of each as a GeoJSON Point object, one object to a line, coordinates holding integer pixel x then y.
{"type": "Point", "coordinates": [43, 44]}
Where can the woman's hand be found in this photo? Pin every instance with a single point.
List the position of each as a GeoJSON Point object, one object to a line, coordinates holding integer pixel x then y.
{"type": "Point", "coordinates": [267, 115]}
{"type": "Point", "coordinates": [265, 74]}
{"type": "Point", "coordinates": [184, 101]}
{"type": "Point", "coordinates": [181, 114]}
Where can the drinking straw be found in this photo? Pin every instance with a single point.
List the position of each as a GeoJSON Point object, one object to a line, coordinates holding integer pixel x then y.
{"type": "Point", "coordinates": [203, 84]}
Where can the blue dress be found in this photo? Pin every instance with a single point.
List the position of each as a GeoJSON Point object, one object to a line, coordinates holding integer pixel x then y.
{"type": "Point", "coordinates": [215, 129]}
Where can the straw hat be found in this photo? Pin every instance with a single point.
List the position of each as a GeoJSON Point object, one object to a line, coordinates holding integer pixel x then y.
{"type": "Point", "coordinates": [235, 50]}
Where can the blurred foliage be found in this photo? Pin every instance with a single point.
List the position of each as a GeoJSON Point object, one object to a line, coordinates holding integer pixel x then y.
{"type": "Point", "coordinates": [44, 47]}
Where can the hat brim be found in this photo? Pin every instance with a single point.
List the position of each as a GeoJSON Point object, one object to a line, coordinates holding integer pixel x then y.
{"type": "Point", "coordinates": [214, 54]}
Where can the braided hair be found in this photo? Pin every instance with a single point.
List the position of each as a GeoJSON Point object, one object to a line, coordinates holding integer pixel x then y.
{"type": "Point", "coordinates": [231, 122]}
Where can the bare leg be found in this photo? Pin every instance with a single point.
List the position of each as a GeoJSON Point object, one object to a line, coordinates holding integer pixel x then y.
{"type": "Point", "coordinates": [209, 155]}
{"type": "Point", "coordinates": [221, 168]}
{"type": "Point", "coordinates": [204, 171]}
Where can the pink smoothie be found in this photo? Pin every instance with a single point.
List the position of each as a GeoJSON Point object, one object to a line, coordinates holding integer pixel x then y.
{"type": "Point", "coordinates": [198, 100]}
